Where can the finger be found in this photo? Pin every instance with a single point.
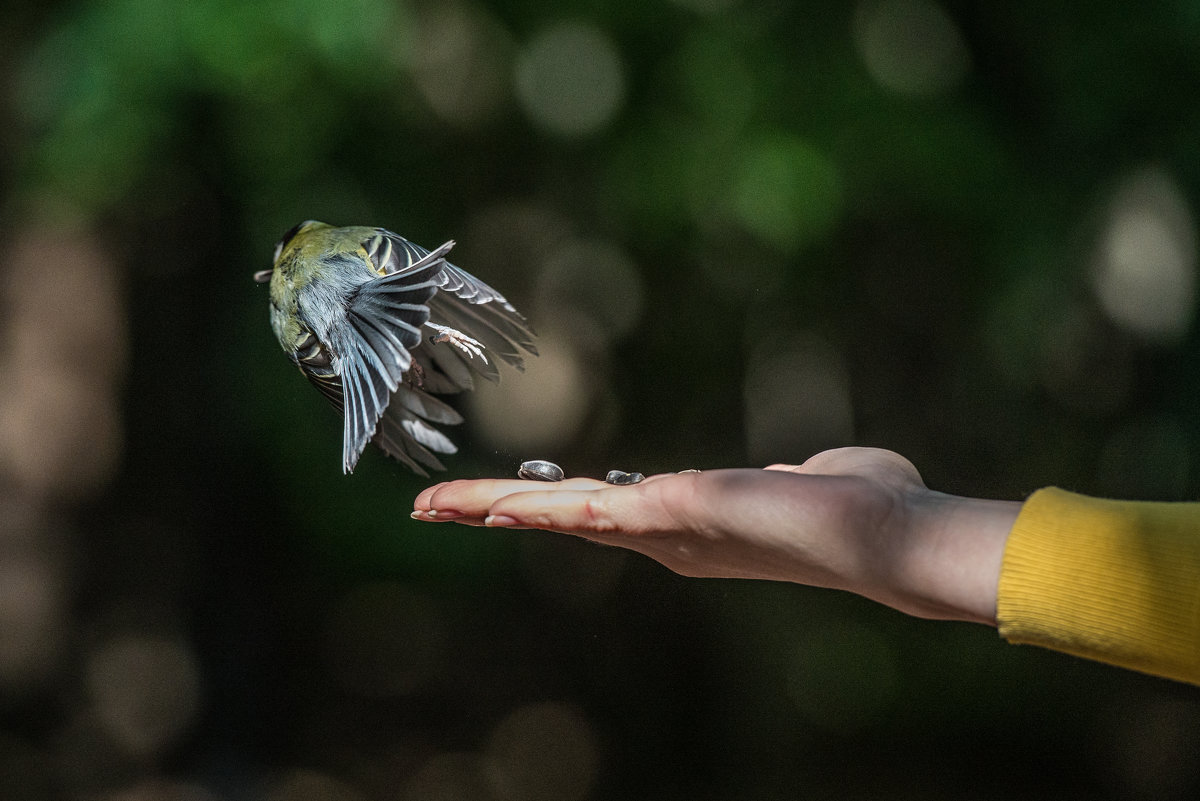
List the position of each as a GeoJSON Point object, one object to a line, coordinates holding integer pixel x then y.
{"type": "Point", "coordinates": [564, 510]}
{"type": "Point", "coordinates": [432, 516]}
{"type": "Point", "coordinates": [421, 502]}
{"type": "Point", "coordinates": [787, 468]}
{"type": "Point", "coordinates": [610, 512]}
{"type": "Point", "coordinates": [473, 498]}
{"type": "Point", "coordinates": [444, 516]}
{"type": "Point", "coordinates": [650, 479]}
{"type": "Point", "coordinates": [424, 499]}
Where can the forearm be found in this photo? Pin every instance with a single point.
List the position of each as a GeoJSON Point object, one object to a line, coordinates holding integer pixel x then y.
{"type": "Point", "coordinates": [1117, 582]}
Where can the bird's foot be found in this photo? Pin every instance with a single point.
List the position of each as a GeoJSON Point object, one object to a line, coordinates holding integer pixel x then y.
{"type": "Point", "coordinates": [468, 345]}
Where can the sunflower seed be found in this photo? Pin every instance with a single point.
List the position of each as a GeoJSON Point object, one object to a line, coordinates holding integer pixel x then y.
{"type": "Point", "coordinates": [540, 470]}
{"type": "Point", "coordinates": [621, 477]}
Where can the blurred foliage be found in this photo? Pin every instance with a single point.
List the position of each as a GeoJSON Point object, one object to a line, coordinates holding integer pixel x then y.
{"type": "Point", "coordinates": [746, 229]}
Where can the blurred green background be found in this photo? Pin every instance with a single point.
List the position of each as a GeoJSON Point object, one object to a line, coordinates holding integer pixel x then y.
{"type": "Point", "coordinates": [746, 230]}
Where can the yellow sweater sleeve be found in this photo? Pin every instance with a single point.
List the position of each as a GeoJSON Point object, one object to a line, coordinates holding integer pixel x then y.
{"type": "Point", "coordinates": [1114, 581]}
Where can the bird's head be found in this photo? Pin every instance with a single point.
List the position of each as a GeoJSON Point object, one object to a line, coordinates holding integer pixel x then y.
{"type": "Point", "coordinates": [294, 235]}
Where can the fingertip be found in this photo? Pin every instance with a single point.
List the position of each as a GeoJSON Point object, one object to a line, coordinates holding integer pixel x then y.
{"type": "Point", "coordinates": [421, 502]}
{"type": "Point", "coordinates": [436, 515]}
{"type": "Point", "coordinates": [435, 497]}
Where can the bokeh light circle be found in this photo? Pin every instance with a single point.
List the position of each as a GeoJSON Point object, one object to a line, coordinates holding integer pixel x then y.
{"type": "Point", "coordinates": [569, 79]}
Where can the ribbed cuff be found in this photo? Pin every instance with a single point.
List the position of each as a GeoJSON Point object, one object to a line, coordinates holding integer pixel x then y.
{"type": "Point", "coordinates": [1114, 581]}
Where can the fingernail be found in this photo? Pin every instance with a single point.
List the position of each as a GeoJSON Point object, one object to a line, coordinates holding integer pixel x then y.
{"type": "Point", "coordinates": [436, 514]}
{"type": "Point", "coordinates": [499, 521]}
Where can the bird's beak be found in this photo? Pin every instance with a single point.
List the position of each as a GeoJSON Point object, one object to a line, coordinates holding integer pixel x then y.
{"type": "Point", "coordinates": [262, 276]}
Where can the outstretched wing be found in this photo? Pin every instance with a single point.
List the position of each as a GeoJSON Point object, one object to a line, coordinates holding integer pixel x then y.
{"type": "Point", "coordinates": [465, 304]}
{"type": "Point", "coordinates": [383, 399]}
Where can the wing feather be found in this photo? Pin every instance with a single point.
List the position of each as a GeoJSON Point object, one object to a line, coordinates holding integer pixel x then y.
{"type": "Point", "coordinates": [426, 406]}
{"type": "Point", "coordinates": [477, 303]}
{"type": "Point", "coordinates": [444, 370]}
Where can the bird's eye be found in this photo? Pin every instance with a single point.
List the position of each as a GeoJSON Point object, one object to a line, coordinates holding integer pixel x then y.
{"type": "Point", "coordinates": [288, 237]}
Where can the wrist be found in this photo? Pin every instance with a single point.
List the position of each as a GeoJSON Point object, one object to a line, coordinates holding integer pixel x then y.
{"type": "Point", "coordinates": [950, 568]}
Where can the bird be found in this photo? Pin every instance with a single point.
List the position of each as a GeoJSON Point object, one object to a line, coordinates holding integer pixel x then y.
{"type": "Point", "coordinates": [381, 326]}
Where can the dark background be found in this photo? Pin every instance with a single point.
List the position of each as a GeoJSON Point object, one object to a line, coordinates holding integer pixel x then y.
{"type": "Point", "coordinates": [746, 230]}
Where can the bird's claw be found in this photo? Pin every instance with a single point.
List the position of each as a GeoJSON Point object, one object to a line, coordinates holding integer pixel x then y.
{"type": "Point", "coordinates": [468, 345]}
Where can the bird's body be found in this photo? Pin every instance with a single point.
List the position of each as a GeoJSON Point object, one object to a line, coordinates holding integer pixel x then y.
{"type": "Point", "coordinates": [378, 324]}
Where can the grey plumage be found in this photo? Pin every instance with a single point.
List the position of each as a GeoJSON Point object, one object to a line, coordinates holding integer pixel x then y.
{"type": "Point", "coordinates": [378, 324]}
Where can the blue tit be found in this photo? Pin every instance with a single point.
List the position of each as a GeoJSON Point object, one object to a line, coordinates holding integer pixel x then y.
{"type": "Point", "coordinates": [380, 325]}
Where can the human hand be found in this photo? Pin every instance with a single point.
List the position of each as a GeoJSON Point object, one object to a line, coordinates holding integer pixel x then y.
{"type": "Point", "coordinates": [858, 519]}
